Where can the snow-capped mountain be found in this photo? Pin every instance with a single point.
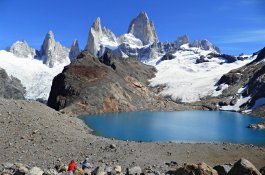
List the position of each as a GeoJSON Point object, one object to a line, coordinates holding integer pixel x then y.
{"type": "Point", "coordinates": [187, 70]}
{"type": "Point", "coordinates": [36, 69]}
{"type": "Point", "coordinates": [22, 49]}
{"type": "Point", "coordinates": [35, 76]}
{"type": "Point", "coordinates": [144, 29]}
{"type": "Point", "coordinates": [53, 53]}
{"type": "Point", "coordinates": [140, 42]}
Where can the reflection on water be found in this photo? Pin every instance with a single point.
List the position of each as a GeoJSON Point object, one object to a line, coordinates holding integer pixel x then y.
{"type": "Point", "coordinates": [186, 126]}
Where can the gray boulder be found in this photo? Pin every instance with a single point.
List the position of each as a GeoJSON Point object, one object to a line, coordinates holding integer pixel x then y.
{"type": "Point", "coordinates": [143, 29]}
{"type": "Point", "coordinates": [192, 169]}
{"type": "Point", "coordinates": [244, 167]}
{"type": "Point", "coordinates": [35, 171]}
{"type": "Point", "coordinates": [222, 169]}
{"type": "Point", "coordinates": [22, 170]}
{"type": "Point", "coordinates": [134, 171]}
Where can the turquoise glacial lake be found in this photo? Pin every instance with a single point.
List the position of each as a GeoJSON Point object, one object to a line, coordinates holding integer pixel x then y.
{"type": "Point", "coordinates": [186, 126]}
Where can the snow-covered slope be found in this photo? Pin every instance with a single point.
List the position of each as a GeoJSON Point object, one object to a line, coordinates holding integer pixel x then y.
{"type": "Point", "coordinates": [184, 80]}
{"type": "Point", "coordinates": [35, 76]}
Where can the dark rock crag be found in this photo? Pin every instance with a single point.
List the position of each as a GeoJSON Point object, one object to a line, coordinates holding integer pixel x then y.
{"type": "Point", "coordinates": [108, 84]}
{"type": "Point", "coordinates": [10, 87]}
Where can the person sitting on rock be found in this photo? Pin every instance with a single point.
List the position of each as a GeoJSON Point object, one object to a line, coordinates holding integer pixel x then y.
{"type": "Point", "coordinates": [72, 166]}
{"type": "Point", "coordinates": [86, 164]}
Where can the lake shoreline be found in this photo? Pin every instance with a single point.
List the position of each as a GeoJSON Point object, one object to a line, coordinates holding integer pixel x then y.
{"type": "Point", "coordinates": [35, 134]}
{"type": "Point", "coordinates": [184, 127]}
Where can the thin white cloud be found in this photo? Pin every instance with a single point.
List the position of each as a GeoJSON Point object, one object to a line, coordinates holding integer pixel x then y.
{"type": "Point", "coordinates": [244, 37]}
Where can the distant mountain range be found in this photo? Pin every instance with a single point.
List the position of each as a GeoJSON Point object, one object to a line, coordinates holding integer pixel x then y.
{"type": "Point", "coordinates": [187, 71]}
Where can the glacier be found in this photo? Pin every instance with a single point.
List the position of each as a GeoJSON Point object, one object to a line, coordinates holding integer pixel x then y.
{"type": "Point", "coordinates": [35, 76]}
{"type": "Point", "coordinates": [185, 81]}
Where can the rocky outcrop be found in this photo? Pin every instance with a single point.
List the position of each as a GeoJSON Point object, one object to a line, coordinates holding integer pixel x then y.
{"type": "Point", "coordinates": [227, 58]}
{"type": "Point", "coordinates": [202, 59]}
{"type": "Point", "coordinates": [204, 45]}
{"type": "Point", "coordinates": [22, 49]}
{"type": "Point", "coordinates": [53, 53]}
{"type": "Point", "coordinates": [182, 40]}
{"type": "Point", "coordinates": [245, 167]}
{"type": "Point", "coordinates": [250, 78]}
{"type": "Point", "coordinates": [143, 29]}
{"type": "Point", "coordinates": [74, 50]}
{"type": "Point", "coordinates": [108, 84]}
{"type": "Point", "coordinates": [10, 87]}
{"type": "Point", "coordinates": [168, 56]}
{"type": "Point", "coordinates": [257, 126]}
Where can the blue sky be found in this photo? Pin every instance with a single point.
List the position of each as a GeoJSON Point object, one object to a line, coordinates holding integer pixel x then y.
{"type": "Point", "coordinates": [235, 26]}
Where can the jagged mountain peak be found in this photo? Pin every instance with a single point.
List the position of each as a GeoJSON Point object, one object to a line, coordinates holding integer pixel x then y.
{"type": "Point", "coordinates": [141, 27]}
{"type": "Point", "coordinates": [97, 24]}
{"type": "Point", "coordinates": [22, 49]}
{"type": "Point", "coordinates": [74, 50]}
{"type": "Point", "coordinates": [143, 14]}
{"type": "Point", "coordinates": [205, 45]}
{"type": "Point", "coordinates": [94, 37]}
{"type": "Point", "coordinates": [184, 39]}
{"type": "Point", "coordinates": [52, 52]}
{"type": "Point", "coordinates": [50, 34]}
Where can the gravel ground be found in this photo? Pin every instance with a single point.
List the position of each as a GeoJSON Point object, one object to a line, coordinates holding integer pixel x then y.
{"type": "Point", "coordinates": [34, 134]}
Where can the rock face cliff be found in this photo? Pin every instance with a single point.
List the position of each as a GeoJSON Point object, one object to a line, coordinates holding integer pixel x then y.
{"type": "Point", "coordinates": [10, 87]}
{"type": "Point", "coordinates": [108, 84]}
{"type": "Point", "coordinates": [143, 29]}
{"type": "Point", "coordinates": [53, 53]}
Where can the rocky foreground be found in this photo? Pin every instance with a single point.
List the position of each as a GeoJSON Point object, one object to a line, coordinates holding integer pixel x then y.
{"type": "Point", "coordinates": [241, 167]}
{"type": "Point", "coordinates": [36, 135]}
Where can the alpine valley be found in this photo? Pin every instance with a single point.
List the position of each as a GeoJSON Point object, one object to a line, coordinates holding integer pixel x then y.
{"type": "Point", "coordinates": [135, 71]}
{"type": "Point", "coordinates": [46, 94]}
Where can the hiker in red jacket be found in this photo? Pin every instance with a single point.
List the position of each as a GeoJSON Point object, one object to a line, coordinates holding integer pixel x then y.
{"type": "Point", "coordinates": [72, 166]}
